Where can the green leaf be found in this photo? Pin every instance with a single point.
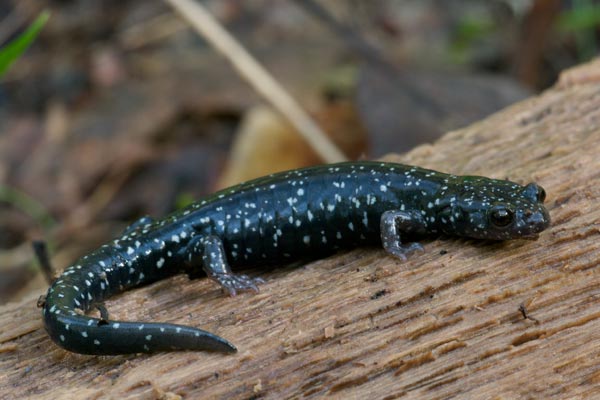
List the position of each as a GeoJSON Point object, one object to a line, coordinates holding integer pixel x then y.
{"type": "Point", "coordinates": [468, 33]}
{"type": "Point", "coordinates": [10, 52]}
{"type": "Point", "coordinates": [470, 30]}
{"type": "Point", "coordinates": [583, 17]}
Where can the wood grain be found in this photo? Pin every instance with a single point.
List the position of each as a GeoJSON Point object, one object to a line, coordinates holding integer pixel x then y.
{"type": "Point", "coordinates": [361, 324]}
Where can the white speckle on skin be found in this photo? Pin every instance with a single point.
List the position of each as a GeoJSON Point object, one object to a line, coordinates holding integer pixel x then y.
{"type": "Point", "coordinates": [383, 188]}
{"type": "Point", "coordinates": [175, 238]}
{"type": "Point", "coordinates": [148, 337]}
{"type": "Point", "coordinates": [84, 334]}
{"type": "Point", "coordinates": [96, 342]}
{"type": "Point", "coordinates": [306, 239]}
{"type": "Point", "coordinates": [116, 325]}
{"type": "Point", "coordinates": [62, 338]}
{"type": "Point", "coordinates": [160, 263]}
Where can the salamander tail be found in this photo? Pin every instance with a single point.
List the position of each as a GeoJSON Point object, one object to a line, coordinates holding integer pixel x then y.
{"type": "Point", "coordinates": [87, 335]}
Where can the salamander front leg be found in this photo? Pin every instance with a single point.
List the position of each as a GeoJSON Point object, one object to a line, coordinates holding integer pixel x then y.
{"type": "Point", "coordinates": [393, 224]}
{"type": "Point", "coordinates": [210, 254]}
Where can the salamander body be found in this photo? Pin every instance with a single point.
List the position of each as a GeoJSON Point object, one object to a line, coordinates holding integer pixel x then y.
{"type": "Point", "coordinates": [299, 214]}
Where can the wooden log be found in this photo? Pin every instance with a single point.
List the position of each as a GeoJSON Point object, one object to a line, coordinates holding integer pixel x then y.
{"type": "Point", "coordinates": [361, 324]}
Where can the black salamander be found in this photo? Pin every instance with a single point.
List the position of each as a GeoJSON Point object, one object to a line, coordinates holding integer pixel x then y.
{"type": "Point", "coordinates": [299, 214]}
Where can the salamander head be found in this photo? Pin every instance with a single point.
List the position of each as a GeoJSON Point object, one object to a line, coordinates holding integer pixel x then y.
{"type": "Point", "coordinates": [494, 209]}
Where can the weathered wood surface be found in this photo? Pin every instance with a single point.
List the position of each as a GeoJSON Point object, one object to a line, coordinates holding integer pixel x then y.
{"type": "Point", "coordinates": [363, 325]}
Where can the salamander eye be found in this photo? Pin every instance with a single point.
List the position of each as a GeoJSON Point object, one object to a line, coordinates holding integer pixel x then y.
{"type": "Point", "coordinates": [541, 196]}
{"type": "Point", "coordinates": [501, 216]}
{"type": "Point", "coordinates": [535, 192]}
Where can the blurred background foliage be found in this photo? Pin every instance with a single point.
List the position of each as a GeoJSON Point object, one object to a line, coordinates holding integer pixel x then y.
{"type": "Point", "coordinates": [114, 109]}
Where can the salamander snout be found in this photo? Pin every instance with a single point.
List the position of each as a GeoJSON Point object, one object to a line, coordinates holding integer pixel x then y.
{"type": "Point", "coordinates": [533, 222]}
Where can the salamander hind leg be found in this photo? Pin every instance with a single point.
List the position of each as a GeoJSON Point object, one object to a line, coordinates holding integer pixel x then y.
{"type": "Point", "coordinates": [393, 224]}
{"type": "Point", "coordinates": [209, 253]}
